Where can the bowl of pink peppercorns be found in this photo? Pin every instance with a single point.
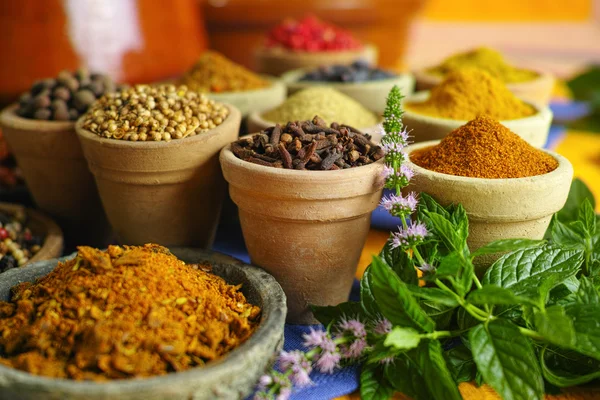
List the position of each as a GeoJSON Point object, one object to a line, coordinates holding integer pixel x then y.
{"type": "Point", "coordinates": [309, 43]}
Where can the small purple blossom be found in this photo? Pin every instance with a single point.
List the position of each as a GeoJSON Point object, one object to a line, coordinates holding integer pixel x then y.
{"type": "Point", "coordinates": [354, 326]}
{"type": "Point", "coordinates": [264, 382]}
{"type": "Point", "coordinates": [387, 360]}
{"type": "Point", "coordinates": [314, 338]}
{"type": "Point", "coordinates": [426, 268]}
{"type": "Point", "coordinates": [387, 172]}
{"type": "Point", "coordinates": [289, 359]}
{"type": "Point", "coordinates": [412, 235]}
{"type": "Point", "coordinates": [393, 148]}
{"type": "Point", "coordinates": [407, 172]}
{"type": "Point", "coordinates": [300, 376]}
{"type": "Point", "coordinates": [327, 362]}
{"type": "Point", "coordinates": [355, 350]}
{"type": "Point", "coordinates": [398, 205]}
{"type": "Point", "coordinates": [328, 345]}
{"type": "Point", "coordinates": [284, 394]}
{"type": "Point", "coordinates": [382, 326]}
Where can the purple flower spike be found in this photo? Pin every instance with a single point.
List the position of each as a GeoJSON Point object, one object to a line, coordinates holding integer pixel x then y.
{"type": "Point", "coordinates": [393, 147]}
{"type": "Point", "coordinates": [314, 338]}
{"type": "Point", "coordinates": [406, 172]}
{"type": "Point", "coordinates": [290, 359]}
{"type": "Point", "coordinates": [387, 360]}
{"type": "Point", "coordinates": [387, 172]}
{"type": "Point", "coordinates": [410, 236]}
{"type": "Point", "coordinates": [264, 382]}
{"type": "Point", "coordinates": [300, 377]}
{"type": "Point", "coordinates": [382, 326]}
{"type": "Point", "coordinates": [426, 268]}
{"type": "Point", "coordinates": [354, 326]}
{"type": "Point", "coordinates": [400, 206]}
{"type": "Point", "coordinates": [356, 349]}
{"type": "Point", "coordinates": [284, 394]}
{"type": "Point", "coordinates": [328, 362]}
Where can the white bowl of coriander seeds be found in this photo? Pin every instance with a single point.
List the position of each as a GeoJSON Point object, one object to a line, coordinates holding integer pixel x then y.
{"type": "Point", "coordinates": [153, 151]}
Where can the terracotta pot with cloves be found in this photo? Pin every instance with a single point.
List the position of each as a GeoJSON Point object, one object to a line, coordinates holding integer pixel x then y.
{"type": "Point", "coordinates": [306, 228]}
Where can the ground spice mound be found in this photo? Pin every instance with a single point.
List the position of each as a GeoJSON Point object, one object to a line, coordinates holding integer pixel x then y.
{"type": "Point", "coordinates": [123, 313]}
{"type": "Point", "coordinates": [484, 148]}
{"type": "Point", "coordinates": [469, 92]}
{"type": "Point", "coordinates": [215, 73]}
{"type": "Point", "coordinates": [328, 103]}
{"type": "Point", "coordinates": [487, 59]}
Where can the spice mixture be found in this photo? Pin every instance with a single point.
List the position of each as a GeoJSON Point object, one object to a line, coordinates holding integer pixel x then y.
{"type": "Point", "coordinates": [17, 243]}
{"type": "Point", "coordinates": [484, 148]}
{"type": "Point", "coordinates": [330, 104]}
{"type": "Point", "coordinates": [215, 73]}
{"type": "Point", "coordinates": [358, 71]}
{"type": "Point", "coordinates": [145, 113]}
{"type": "Point", "coordinates": [309, 145]}
{"type": "Point", "coordinates": [64, 98]}
{"type": "Point", "coordinates": [487, 59]}
{"type": "Point", "coordinates": [466, 93]}
{"type": "Point", "coordinates": [127, 312]}
{"type": "Point", "coordinates": [311, 34]}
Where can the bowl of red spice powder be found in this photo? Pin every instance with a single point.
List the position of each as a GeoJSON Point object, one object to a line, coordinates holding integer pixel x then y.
{"type": "Point", "coordinates": [509, 188]}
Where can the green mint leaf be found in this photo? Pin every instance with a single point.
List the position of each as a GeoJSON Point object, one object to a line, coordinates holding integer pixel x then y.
{"type": "Point", "coordinates": [506, 360]}
{"type": "Point", "coordinates": [439, 313]}
{"type": "Point", "coordinates": [434, 370]}
{"type": "Point", "coordinates": [587, 292]}
{"type": "Point", "coordinates": [503, 245]}
{"type": "Point", "coordinates": [587, 216]}
{"type": "Point", "coordinates": [331, 314]}
{"type": "Point", "coordinates": [395, 300]}
{"type": "Point", "coordinates": [496, 295]}
{"type": "Point", "coordinates": [402, 338]}
{"type": "Point", "coordinates": [450, 265]}
{"type": "Point", "coordinates": [461, 364]}
{"type": "Point", "coordinates": [428, 204]}
{"type": "Point", "coordinates": [458, 217]}
{"type": "Point", "coordinates": [565, 378]}
{"type": "Point", "coordinates": [447, 232]}
{"type": "Point", "coordinates": [400, 262]}
{"type": "Point", "coordinates": [586, 323]}
{"type": "Point", "coordinates": [524, 271]}
{"type": "Point", "coordinates": [434, 294]}
{"type": "Point", "coordinates": [367, 299]}
{"type": "Point", "coordinates": [465, 320]}
{"type": "Point", "coordinates": [373, 383]}
{"type": "Point", "coordinates": [556, 327]}
{"type": "Point", "coordinates": [405, 377]}
{"type": "Point", "coordinates": [564, 234]}
{"type": "Point", "coordinates": [578, 193]}
{"type": "Point", "coordinates": [458, 267]}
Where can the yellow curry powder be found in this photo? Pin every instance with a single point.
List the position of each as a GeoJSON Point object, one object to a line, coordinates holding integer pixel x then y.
{"type": "Point", "coordinates": [484, 148]}
{"type": "Point", "coordinates": [468, 92]}
{"type": "Point", "coordinates": [126, 312]}
{"type": "Point", "coordinates": [487, 59]}
{"type": "Point", "coordinates": [215, 73]}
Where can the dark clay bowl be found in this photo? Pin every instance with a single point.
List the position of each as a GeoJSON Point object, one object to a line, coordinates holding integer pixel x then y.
{"type": "Point", "coordinates": [231, 377]}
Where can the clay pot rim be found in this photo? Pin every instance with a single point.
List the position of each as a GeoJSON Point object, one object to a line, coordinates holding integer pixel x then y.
{"type": "Point", "coordinates": [9, 118]}
{"type": "Point", "coordinates": [226, 156]}
{"type": "Point", "coordinates": [292, 80]}
{"type": "Point", "coordinates": [542, 111]}
{"type": "Point", "coordinates": [53, 234]}
{"type": "Point", "coordinates": [421, 75]}
{"type": "Point", "coordinates": [261, 279]}
{"type": "Point", "coordinates": [275, 84]}
{"type": "Point", "coordinates": [234, 115]}
{"type": "Point", "coordinates": [282, 52]}
{"type": "Point", "coordinates": [516, 184]}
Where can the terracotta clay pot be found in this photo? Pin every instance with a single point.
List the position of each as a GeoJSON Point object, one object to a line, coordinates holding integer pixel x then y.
{"type": "Point", "coordinates": [161, 192]}
{"type": "Point", "coordinates": [50, 158]}
{"type": "Point", "coordinates": [256, 100]}
{"type": "Point", "coordinates": [537, 90]}
{"type": "Point", "coordinates": [306, 228]}
{"type": "Point", "coordinates": [517, 208]}
{"type": "Point", "coordinates": [533, 129]}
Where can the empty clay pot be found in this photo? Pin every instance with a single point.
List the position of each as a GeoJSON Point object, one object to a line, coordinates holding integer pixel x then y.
{"type": "Point", "coordinates": [161, 192]}
{"type": "Point", "coordinates": [533, 129]}
{"type": "Point", "coordinates": [276, 61]}
{"type": "Point", "coordinates": [306, 228]}
{"type": "Point", "coordinates": [517, 208]}
{"type": "Point", "coordinates": [50, 157]}
{"type": "Point", "coordinates": [537, 90]}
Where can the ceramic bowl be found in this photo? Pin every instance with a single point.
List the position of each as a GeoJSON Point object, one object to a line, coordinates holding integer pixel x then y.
{"type": "Point", "coordinates": [533, 129]}
{"type": "Point", "coordinates": [498, 208]}
{"type": "Point", "coordinates": [276, 60]}
{"type": "Point", "coordinates": [306, 228]}
{"type": "Point", "coordinates": [231, 377]}
{"type": "Point", "coordinates": [161, 192]}
{"type": "Point", "coordinates": [56, 173]}
{"type": "Point", "coordinates": [538, 90]}
{"type": "Point", "coordinates": [372, 94]}
{"type": "Point", "coordinates": [256, 100]}
{"type": "Point", "coordinates": [40, 225]}
{"type": "Point", "coordinates": [257, 123]}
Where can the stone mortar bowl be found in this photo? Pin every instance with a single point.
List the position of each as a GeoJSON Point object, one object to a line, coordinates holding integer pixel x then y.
{"type": "Point", "coordinates": [533, 129]}
{"type": "Point", "coordinates": [371, 94]}
{"type": "Point", "coordinates": [516, 208]}
{"type": "Point", "coordinates": [231, 377]}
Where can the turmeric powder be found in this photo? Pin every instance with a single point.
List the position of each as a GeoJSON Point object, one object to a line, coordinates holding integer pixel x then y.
{"type": "Point", "coordinates": [487, 59]}
{"type": "Point", "coordinates": [128, 312]}
{"type": "Point", "coordinates": [468, 92]}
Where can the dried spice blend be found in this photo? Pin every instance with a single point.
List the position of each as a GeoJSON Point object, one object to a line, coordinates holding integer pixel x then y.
{"type": "Point", "coordinates": [309, 145]}
{"type": "Point", "coordinates": [17, 243]}
{"type": "Point", "coordinates": [214, 73]}
{"type": "Point", "coordinates": [64, 98]}
{"type": "Point", "coordinates": [154, 113]}
{"type": "Point", "coordinates": [330, 104]}
{"type": "Point", "coordinates": [358, 71]}
{"type": "Point", "coordinates": [488, 60]}
{"type": "Point", "coordinates": [130, 311]}
{"type": "Point", "coordinates": [484, 148]}
{"type": "Point", "coordinates": [468, 92]}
